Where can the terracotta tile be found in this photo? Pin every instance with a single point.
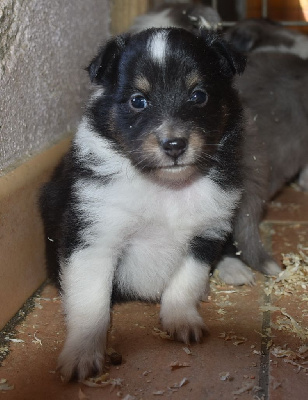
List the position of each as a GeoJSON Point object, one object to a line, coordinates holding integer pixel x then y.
{"type": "Point", "coordinates": [239, 344]}
{"type": "Point", "coordinates": [289, 205]}
{"type": "Point", "coordinates": [232, 347]}
{"type": "Point", "coordinates": [286, 379]}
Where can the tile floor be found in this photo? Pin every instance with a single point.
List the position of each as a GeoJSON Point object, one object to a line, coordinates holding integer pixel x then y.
{"type": "Point", "coordinates": [256, 347]}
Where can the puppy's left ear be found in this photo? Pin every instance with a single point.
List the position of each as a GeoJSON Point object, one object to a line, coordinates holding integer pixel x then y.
{"type": "Point", "coordinates": [231, 61]}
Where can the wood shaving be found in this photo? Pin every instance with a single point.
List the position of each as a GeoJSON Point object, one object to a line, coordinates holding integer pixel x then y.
{"type": "Point", "coordinates": [247, 386]}
{"type": "Point", "coordinates": [81, 395]}
{"type": "Point", "coordinates": [299, 366]}
{"type": "Point", "coordinates": [294, 277]}
{"type": "Point", "coordinates": [224, 376]}
{"type": "Point", "coordinates": [296, 358]}
{"type": "Point", "coordinates": [14, 340]}
{"type": "Point", "coordinates": [159, 393]}
{"type": "Point", "coordinates": [176, 365]}
{"type": "Point", "coordinates": [37, 303]}
{"type": "Point", "coordinates": [232, 336]}
{"type": "Point", "coordinates": [5, 386]}
{"type": "Point", "coordinates": [102, 381]}
{"type": "Point", "coordinates": [36, 339]}
{"type": "Point", "coordinates": [187, 351]}
{"type": "Point", "coordinates": [162, 334]}
{"type": "Point", "coordinates": [276, 384]}
{"type": "Point", "coordinates": [288, 324]}
{"type": "Point", "coordinates": [296, 328]}
{"type": "Point", "coordinates": [129, 397]}
{"type": "Point", "coordinates": [303, 349]}
{"type": "Point", "coordinates": [269, 308]}
{"type": "Point", "coordinates": [183, 382]}
{"type": "Point", "coordinates": [238, 342]}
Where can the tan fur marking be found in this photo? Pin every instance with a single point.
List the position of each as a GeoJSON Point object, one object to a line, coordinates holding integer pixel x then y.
{"type": "Point", "coordinates": [142, 84]}
{"type": "Point", "coordinates": [151, 147]}
{"type": "Point", "coordinates": [196, 141]}
{"type": "Point", "coordinates": [192, 80]}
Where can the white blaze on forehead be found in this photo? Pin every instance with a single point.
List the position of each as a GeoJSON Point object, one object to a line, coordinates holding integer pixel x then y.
{"type": "Point", "coordinates": [157, 46]}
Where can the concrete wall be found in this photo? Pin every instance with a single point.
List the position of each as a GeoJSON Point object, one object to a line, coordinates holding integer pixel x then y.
{"type": "Point", "coordinates": [44, 46]}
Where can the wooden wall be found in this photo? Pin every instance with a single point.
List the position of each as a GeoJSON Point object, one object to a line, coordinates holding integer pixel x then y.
{"type": "Point", "coordinates": [281, 10]}
{"type": "Point", "coordinates": [123, 12]}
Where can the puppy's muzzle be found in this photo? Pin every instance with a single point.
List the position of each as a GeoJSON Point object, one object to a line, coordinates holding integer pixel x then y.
{"type": "Point", "coordinates": [174, 147]}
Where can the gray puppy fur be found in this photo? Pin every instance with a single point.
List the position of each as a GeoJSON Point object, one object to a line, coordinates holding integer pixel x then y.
{"type": "Point", "coordinates": [256, 35]}
{"type": "Point", "coordinates": [184, 16]}
{"type": "Point", "coordinates": [273, 89]}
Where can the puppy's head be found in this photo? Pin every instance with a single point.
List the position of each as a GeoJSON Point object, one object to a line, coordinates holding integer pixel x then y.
{"type": "Point", "coordinates": [251, 34]}
{"type": "Point", "coordinates": [165, 99]}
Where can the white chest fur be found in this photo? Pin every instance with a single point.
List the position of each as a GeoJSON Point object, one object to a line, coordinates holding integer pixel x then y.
{"type": "Point", "coordinates": [146, 227]}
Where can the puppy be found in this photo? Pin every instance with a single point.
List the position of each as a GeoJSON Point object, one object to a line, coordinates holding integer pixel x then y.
{"type": "Point", "coordinates": [273, 88]}
{"type": "Point", "coordinates": [194, 17]}
{"type": "Point", "coordinates": [256, 35]}
{"type": "Point", "coordinates": [142, 204]}
{"type": "Point", "coordinates": [272, 91]}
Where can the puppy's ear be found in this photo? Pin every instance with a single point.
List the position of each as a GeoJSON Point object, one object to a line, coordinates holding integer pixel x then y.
{"type": "Point", "coordinates": [231, 61]}
{"type": "Point", "coordinates": [103, 68]}
{"type": "Point", "coordinates": [243, 39]}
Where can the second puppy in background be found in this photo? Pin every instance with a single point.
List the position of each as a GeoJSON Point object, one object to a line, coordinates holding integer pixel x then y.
{"type": "Point", "coordinates": [264, 35]}
{"type": "Point", "coordinates": [193, 17]}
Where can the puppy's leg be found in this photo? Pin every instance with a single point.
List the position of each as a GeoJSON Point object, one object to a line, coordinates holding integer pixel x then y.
{"type": "Point", "coordinates": [247, 236]}
{"type": "Point", "coordinates": [303, 178]}
{"type": "Point", "coordinates": [87, 286]}
{"type": "Point", "coordinates": [234, 272]}
{"type": "Point", "coordinates": [231, 269]}
{"type": "Point", "coordinates": [256, 174]}
{"type": "Point", "coordinates": [179, 314]}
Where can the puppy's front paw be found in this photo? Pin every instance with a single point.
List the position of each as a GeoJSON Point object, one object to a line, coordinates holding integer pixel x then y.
{"type": "Point", "coordinates": [234, 272]}
{"type": "Point", "coordinates": [271, 268]}
{"type": "Point", "coordinates": [183, 326]}
{"type": "Point", "coordinates": [303, 178]}
{"type": "Point", "coordinates": [79, 362]}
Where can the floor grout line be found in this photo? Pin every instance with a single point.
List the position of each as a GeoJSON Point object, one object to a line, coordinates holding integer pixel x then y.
{"type": "Point", "coordinates": [277, 222]}
{"type": "Point", "coordinates": [264, 372]}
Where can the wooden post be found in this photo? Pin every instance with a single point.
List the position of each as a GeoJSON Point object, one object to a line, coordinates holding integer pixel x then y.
{"type": "Point", "coordinates": [123, 12]}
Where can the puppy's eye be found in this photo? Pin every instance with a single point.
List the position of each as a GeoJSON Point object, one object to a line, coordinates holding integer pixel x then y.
{"type": "Point", "coordinates": [198, 97]}
{"type": "Point", "coordinates": [138, 102]}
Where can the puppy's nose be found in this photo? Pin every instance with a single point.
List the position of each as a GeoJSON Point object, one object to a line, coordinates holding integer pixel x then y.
{"type": "Point", "coordinates": [174, 147]}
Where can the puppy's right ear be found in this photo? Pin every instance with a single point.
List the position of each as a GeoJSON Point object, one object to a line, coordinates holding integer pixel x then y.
{"type": "Point", "coordinates": [104, 67]}
{"type": "Point", "coordinates": [231, 61]}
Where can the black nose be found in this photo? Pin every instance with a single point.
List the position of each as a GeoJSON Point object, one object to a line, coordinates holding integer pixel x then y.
{"type": "Point", "coordinates": [174, 147]}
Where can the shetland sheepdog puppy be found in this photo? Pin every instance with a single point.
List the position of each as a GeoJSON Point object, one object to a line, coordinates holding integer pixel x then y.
{"type": "Point", "coordinates": [142, 204]}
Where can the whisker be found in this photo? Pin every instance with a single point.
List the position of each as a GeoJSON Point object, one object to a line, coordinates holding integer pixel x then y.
{"type": "Point", "coordinates": [205, 157]}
